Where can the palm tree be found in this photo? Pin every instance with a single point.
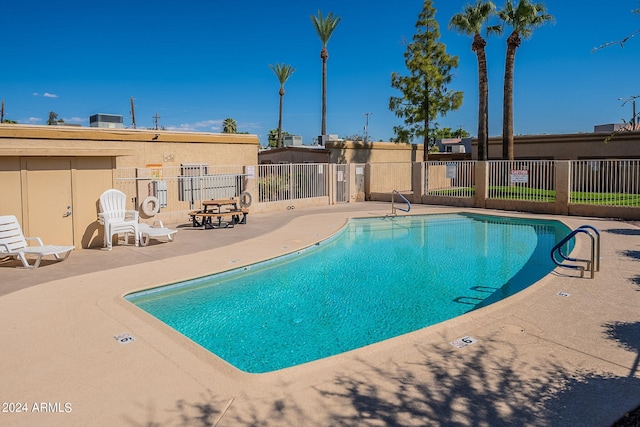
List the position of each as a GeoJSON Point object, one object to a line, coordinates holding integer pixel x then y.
{"type": "Point", "coordinates": [229, 126]}
{"type": "Point", "coordinates": [324, 27]}
{"type": "Point", "coordinates": [523, 20]}
{"type": "Point", "coordinates": [470, 22]}
{"type": "Point", "coordinates": [282, 72]}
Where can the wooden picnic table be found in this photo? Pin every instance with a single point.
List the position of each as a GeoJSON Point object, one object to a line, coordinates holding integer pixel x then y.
{"type": "Point", "coordinates": [219, 204]}
{"type": "Point", "coordinates": [225, 211]}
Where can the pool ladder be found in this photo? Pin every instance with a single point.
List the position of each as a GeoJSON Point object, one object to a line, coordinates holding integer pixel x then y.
{"type": "Point", "coordinates": [592, 264]}
{"type": "Point", "coordinates": [393, 208]}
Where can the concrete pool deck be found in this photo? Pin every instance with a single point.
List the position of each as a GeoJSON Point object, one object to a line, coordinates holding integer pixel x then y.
{"type": "Point", "coordinates": [563, 352]}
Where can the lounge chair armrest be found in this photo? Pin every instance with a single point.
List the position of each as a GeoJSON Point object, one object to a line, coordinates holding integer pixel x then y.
{"type": "Point", "coordinates": [157, 223]}
{"type": "Point", "coordinates": [37, 239]}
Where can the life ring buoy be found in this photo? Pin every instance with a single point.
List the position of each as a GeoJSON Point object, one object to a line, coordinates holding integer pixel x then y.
{"type": "Point", "coordinates": [245, 199]}
{"type": "Point", "coordinates": [150, 206]}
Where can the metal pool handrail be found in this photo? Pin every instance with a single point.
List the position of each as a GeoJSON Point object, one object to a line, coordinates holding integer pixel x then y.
{"type": "Point", "coordinates": [393, 208]}
{"type": "Point", "coordinates": [597, 241]}
{"type": "Point", "coordinates": [592, 264]}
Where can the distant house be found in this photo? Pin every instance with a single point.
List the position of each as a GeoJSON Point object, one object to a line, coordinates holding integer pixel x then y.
{"type": "Point", "coordinates": [616, 127]}
{"type": "Point", "coordinates": [454, 145]}
{"type": "Point", "coordinates": [294, 154]}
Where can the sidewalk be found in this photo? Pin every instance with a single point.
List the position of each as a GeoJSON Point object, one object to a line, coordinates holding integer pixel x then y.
{"type": "Point", "coordinates": [564, 352]}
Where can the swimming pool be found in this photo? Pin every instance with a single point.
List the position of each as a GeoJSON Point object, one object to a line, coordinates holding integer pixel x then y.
{"type": "Point", "coordinates": [378, 278]}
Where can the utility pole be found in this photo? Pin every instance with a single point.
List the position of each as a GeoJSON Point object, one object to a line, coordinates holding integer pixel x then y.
{"type": "Point", "coordinates": [156, 117]}
{"type": "Point", "coordinates": [366, 127]}
{"type": "Point", "coordinates": [133, 114]}
{"type": "Point", "coordinates": [2, 113]}
{"type": "Point", "coordinates": [633, 120]}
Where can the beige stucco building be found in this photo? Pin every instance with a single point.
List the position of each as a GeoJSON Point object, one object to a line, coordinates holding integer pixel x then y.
{"type": "Point", "coordinates": [576, 146]}
{"type": "Point", "coordinates": [342, 152]}
{"type": "Point", "coordinates": [52, 177]}
{"type": "Point", "coordinates": [598, 145]}
{"type": "Point", "coordinates": [294, 154]}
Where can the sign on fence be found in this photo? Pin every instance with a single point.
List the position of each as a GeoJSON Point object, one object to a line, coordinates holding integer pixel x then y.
{"type": "Point", "coordinates": [519, 176]}
{"type": "Point", "coordinates": [451, 170]}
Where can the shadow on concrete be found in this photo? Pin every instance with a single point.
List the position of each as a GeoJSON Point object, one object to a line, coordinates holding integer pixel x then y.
{"type": "Point", "coordinates": [478, 386]}
{"type": "Point", "coordinates": [631, 254]}
{"type": "Point", "coordinates": [627, 336]}
{"type": "Point", "coordinates": [205, 412]}
{"type": "Point", "coordinates": [624, 231]}
{"type": "Point", "coordinates": [481, 384]}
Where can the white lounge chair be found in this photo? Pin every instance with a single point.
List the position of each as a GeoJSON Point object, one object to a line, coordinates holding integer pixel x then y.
{"type": "Point", "coordinates": [156, 230]}
{"type": "Point", "coordinates": [115, 218]}
{"type": "Point", "coordinates": [14, 244]}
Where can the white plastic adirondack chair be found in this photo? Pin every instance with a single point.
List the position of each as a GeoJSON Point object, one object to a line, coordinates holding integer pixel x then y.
{"type": "Point", "coordinates": [116, 218]}
{"type": "Point", "coordinates": [14, 244]}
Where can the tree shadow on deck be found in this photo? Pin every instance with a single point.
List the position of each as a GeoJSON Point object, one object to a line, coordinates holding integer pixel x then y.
{"type": "Point", "coordinates": [624, 231]}
{"type": "Point", "coordinates": [631, 254]}
{"type": "Point", "coordinates": [477, 386]}
{"type": "Point", "coordinates": [504, 380]}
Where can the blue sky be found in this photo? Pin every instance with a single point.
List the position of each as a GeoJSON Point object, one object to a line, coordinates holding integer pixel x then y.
{"type": "Point", "coordinates": [195, 63]}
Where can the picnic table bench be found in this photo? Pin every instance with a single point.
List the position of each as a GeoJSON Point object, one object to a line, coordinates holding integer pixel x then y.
{"type": "Point", "coordinates": [212, 214]}
{"type": "Point", "coordinates": [226, 219]}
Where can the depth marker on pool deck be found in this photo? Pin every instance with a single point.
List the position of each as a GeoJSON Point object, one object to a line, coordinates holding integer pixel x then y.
{"type": "Point", "coordinates": [124, 338]}
{"type": "Point", "coordinates": [463, 342]}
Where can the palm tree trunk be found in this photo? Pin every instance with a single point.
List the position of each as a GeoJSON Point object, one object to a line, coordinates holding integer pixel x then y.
{"type": "Point", "coordinates": [483, 99]}
{"type": "Point", "coordinates": [324, 55]}
{"type": "Point", "coordinates": [280, 142]}
{"type": "Point", "coordinates": [507, 114]}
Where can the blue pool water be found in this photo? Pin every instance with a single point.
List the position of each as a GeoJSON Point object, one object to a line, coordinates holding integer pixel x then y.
{"type": "Point", "coordinates": [376, 279]}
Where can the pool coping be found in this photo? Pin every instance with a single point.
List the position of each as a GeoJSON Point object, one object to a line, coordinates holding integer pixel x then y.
{"type": "Point", "coordinates": [60, 347]}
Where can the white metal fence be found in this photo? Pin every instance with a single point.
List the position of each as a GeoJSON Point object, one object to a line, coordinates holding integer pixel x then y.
{"type": "Point", "coordinates": [180, 187]}
{"type": "Point", "coordinates": [183, 187]}
{"type": "Point", "coordinates": [342, 183]}
{"type": "Point", "coordinates": [591, 182]}
{"type": "Point", "coordinates": [613, 183]}
{"type": "Point", "coordinates": [292, 181]}
{"type": "Point", "coordinates": [530, 180]}
{"type": "Point", "coordinates": [452, 179]}
{"type": "Point", "coordinates": [606, 182]}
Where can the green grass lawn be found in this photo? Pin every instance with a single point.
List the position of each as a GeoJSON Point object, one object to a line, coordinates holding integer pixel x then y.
{"type": "Point", "coordinates": [524, 193]}
{"type": "Point", "coordinates": [609, 199]}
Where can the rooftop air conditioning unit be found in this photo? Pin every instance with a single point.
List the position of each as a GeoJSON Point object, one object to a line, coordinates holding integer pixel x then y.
{"type": "Point", "coordinates": [292, 140]}
{"type": "Point", "coordinates": [110, 121]}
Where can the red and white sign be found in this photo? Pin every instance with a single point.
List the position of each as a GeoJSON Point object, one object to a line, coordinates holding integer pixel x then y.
{"type": "Point", "coordinates": [519, 175]}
